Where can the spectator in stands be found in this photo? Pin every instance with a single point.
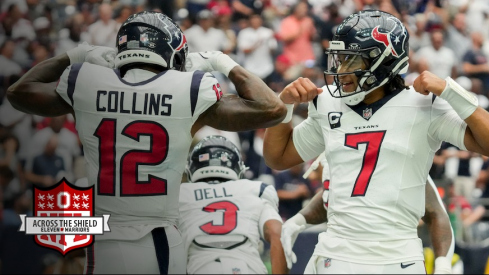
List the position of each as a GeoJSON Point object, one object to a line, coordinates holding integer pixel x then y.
{"type": "Point", "coordinates": [475, 62]}
{"type": "Point", "coordinates": [418, 37]}
{"type": "Point", "coordinates": [457, 37]}
{"type": "Point", "coordinates": [255, 45]}
{"type": "Point", "coordinates": [203, 36]}
{"type": "Point", "coordinates": [196, 6]}
{"type": "Point", "coordinates": [17, 27]}
{"type": "Point", "coordinates": [123, 13]}
{"type": "Point", "coordinates": [292, 190]}
{"type": "Point", "coordinates": [8, 67]}
{"type": "Point", "coordinates": [327, 30]}
{"type": "Point", "coordinates": [44, 169]}
{"type": "Point", "coordinates": [18, 203]}
{"type": "Point", "coordinates": [437, 58]}
{"type": "Point", "coordinates": [104, 31]}
{"type": "Point", "coordinates": [296, 31]}
{"type": "Point", "coordinates": [67, 146]}
{"type": "Point", "coordinates": [70, 36]}
{"type": "Point", "coordinates": [245, 8]}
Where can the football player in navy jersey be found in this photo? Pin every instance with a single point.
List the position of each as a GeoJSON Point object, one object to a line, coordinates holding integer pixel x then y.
{"type": "Point", "coordinates": [379, 137]}
{"type": "Point", "coordinates": [136, 124]}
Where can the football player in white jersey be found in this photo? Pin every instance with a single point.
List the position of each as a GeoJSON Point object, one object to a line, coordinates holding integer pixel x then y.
{"type": "Point", "coordinates": [379, 138]}
{"type": "Point", "coordinates": [136, 124]}
{"type": "Point", "coordinates": [315, 212]}
{"type": "Point", "coordinates": [223, 216]}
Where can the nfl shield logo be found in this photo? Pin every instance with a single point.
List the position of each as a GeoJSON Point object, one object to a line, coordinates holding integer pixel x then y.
{"type": "Point", "coordinates": [236, 270]}
{"type": "Point", "coordinates": [327, 262]}
{"type": "Point", "coordinates": [63, 200]}
{"type": "Point", "coordinates": [367, 113]}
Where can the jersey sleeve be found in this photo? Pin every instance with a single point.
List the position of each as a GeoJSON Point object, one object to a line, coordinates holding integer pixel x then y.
{"type": "Point", "coordinates": [205, 91]}
{"type": "Point", "coordinates": [446, 125]}
{"type": "Point", "coordinates": [308, 137]}
{"type": "Point", "coordinates": [67, 82]}
{"type": "Point", "coordinates": [270, 208]}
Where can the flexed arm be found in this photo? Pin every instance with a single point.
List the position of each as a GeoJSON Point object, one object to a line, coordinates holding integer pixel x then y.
{"type": "Point", "coordinates": [35, 92]}
{"type": "Point", "coordinates": [279, 150]}
{"type": "Point", "coordinates": [465, 104]}
{"type": "Point", "coordinates": [257, 106]}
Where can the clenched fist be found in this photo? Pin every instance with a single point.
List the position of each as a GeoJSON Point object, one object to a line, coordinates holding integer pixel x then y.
{"type": "Point", "coordinates": [300, 91]}
{"type": "Point", "coordinates": [428, 82]}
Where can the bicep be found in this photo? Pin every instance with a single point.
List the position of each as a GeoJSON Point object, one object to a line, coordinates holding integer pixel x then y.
{"type": "Point", "coordinates": [231, 113]}
{"type": "Point", "coordinates": [39, 99]}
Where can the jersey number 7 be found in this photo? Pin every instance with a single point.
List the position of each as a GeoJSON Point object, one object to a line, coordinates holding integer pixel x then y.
{"type": "Point", "coordinates": [373, 141]}
{"type": "Point", "coordinates": [129, 163]}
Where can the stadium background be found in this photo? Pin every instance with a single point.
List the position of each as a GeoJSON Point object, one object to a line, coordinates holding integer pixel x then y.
{"type": "Point", "coordinates": [286, 40]}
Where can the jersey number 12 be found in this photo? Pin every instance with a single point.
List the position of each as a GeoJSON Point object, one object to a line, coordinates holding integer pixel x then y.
{"type": "Point", "coordinates": [130, 161]}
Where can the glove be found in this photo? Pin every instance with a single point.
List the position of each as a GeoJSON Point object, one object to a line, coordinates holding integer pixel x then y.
{"type": "Point", "coordinates": [98, 55]}
{"type": "Point", "coordinates": [209, 62]}
{"type": "Point", "coordinates": [290, 230]}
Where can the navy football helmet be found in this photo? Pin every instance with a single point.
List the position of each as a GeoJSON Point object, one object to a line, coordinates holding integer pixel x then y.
{"type": "Point", "coordinates": [380, 40]}
{"type": "Point", "coordinates": [151, 38]}
{"type": "Point", "coordinates": [215, 158]}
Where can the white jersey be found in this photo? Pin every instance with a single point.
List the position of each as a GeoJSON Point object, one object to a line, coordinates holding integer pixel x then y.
{"type": "Point", "coordinates": [136, 135]}
{"type": "Point", "coordinates": [226, 220]}
{"type": "Point", "coordinates": [379, 157]}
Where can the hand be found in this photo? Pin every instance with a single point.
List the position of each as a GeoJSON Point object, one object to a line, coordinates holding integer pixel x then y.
{"type": "Point", "coordinates": [427, 82]}
{"type": "Point", "coordinates": [202, 61]}
{"type": "Point", "coordinates": [98, 55]}
{"type": "Point", "coordinates": [300, 91]}
{"type": "Point", "coordinates": [102, 56]}
{"type": "Point", "coordinates": [290, 231]}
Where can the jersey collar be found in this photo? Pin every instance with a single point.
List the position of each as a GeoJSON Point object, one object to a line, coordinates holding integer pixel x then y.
{"type": "Point", "coordinates": [368, 110]}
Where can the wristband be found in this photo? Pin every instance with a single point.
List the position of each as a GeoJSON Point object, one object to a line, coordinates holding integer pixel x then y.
{"type": "Point", "coordinates": [225, 64]}
{"type": "Point", "coordinates": [462, 101]}
{"type": "Point", "coordinates": [443, 265]}
{"type": "Point", "coordinates": [290, 112]}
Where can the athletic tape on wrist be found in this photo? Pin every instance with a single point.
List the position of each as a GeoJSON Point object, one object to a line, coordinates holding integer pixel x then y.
{"type": "Point", "coordinates": [443, 265]}
{"type": "Point", "coordinates": [225, 64]}
{"type": "Point", "coordinates": [462, 101]}
{"type": "Point", "coordinates": [290, 112]}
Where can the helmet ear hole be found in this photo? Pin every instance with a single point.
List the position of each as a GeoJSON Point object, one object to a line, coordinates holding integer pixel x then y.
{"type": "Point", "coordinates": [179, 62]}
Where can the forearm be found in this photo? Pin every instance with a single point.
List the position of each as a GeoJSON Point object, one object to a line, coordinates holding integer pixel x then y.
{"type": "Point", "coordinates": [277, 258]}
{"type": "Point", "coordinates": [253, 89]}
{"type": "Point", "coordinates": [275, 145]}
{"type": "Point", "coordinates": [272, 232]}
{"type": "Point", "coordinates": [440, 233]}
{"type": "Point", "coordinates": [314, 212]}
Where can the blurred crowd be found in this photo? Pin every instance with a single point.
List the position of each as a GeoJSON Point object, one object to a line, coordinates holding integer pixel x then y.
{"type": "Point", "coordinates": [278, 40]}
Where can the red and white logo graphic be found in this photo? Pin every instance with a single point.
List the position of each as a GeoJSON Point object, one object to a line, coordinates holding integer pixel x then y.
{"type": "Point", "coordinates": [63, 217]}
{"type": "Point", "coordinates": [383, 38]}
{"type": "Point", "coordinates": [367, 113]}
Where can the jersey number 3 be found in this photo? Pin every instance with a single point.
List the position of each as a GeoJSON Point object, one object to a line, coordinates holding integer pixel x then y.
{"type": "Point", "coordinates": [373, 140]}
{"type": "Point", "coordinates": [229, 220]}
{"type": "Point", "coordinates": [130, 161]}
